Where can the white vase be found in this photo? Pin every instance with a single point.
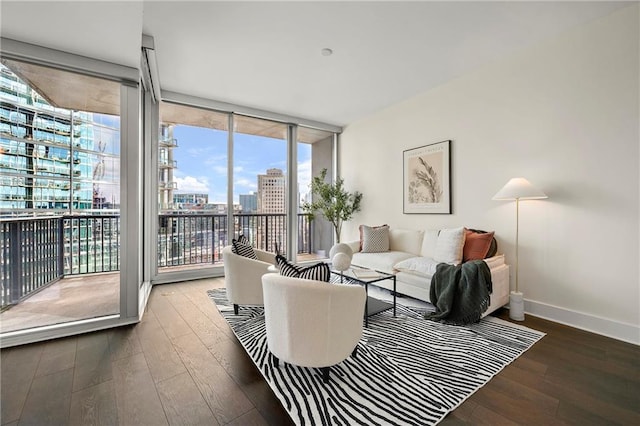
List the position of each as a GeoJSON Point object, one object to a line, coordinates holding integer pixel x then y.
{"type": "Point", "coordinates": [516, 306]}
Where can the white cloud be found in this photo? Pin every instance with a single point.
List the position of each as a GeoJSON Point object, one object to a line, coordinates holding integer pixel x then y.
{"type": "Point", "coordinates": [243, 184]}
{"type": "Point", "coordinates": [192, 184]}
{"type": "Point", "coordinates": [216, 159]}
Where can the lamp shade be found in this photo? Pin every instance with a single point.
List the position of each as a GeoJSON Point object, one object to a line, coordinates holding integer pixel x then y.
{"type": "Point", "coordinates": [519, 189]}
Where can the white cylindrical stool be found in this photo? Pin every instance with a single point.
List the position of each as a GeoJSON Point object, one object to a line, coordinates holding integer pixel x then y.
{"type": "Point", "coordinates": [516, 306]}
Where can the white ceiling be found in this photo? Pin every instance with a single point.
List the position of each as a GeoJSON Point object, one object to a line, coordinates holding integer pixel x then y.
{"type": "Point", "coordinates": [266, 55]}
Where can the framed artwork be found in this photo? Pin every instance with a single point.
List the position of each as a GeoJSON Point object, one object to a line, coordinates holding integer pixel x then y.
{"type": "Point", "coordinates": [427, 179]}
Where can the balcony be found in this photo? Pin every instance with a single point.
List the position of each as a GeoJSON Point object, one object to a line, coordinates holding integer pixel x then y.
{"type": "Point", "coordinates": [78, 257]}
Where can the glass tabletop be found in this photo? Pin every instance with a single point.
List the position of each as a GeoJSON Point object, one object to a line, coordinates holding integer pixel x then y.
{"type": "Point", "coordinates": [362, 274]}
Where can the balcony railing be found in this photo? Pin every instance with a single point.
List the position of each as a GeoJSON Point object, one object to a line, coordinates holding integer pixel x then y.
{"type": "Point", "coordinates": [35, 252]}
{"type": "Point", "coordinates": [187, 239]}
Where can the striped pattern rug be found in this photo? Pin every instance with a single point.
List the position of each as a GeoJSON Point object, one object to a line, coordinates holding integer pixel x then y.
{"type": "Point", "coordinates": [408, 371]}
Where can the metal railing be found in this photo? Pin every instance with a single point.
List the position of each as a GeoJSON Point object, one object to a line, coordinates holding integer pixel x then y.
{"type": "Point", "coordinates": [187, 239]}
{"type": "Point", "coordinates": [36, 252]}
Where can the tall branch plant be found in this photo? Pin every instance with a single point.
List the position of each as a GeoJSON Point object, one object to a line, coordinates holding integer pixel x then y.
{"type": "Point", "coordinates": [332, 201]}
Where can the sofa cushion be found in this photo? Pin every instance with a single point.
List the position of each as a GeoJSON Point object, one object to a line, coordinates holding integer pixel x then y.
{"type": "Point", "coordinates": [476, 245]}
{"type": "Point", "coordinates": [419, 264]}
{"type": "Point", "coordinates": [383, 262]}
{"type": "Point", "coordinates": [449, 246]}
{"type": "Point", "coordinates": [375, 240]}
{"type": "Point", "coordinates": [406, 240]}
{"type": "Point", "coordinates": [429, 241]}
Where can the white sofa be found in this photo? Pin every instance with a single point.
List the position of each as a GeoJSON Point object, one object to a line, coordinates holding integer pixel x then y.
{"type": "Point", "coordinates": [420, 246]}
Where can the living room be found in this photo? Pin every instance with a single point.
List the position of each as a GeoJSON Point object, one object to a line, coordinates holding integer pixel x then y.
{"type": "Point", "coordinates": [562, 112]}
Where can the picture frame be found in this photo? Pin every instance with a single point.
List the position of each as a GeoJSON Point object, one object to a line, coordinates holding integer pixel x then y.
{"type": "Point", "coordinates": [427, 179]}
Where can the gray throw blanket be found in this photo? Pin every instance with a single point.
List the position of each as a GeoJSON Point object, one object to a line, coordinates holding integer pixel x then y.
{"type": "Point", "coordinates": [460, 293]}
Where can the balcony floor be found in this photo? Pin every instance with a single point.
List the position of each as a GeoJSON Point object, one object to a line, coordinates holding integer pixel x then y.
{"type": "Point", "coordinates": [78, 297]}
{"type": "Point", "coordinates": [69, 299]}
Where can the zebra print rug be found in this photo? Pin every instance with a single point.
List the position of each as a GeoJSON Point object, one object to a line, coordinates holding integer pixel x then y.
{"type": "Point", "coordinates": [408, 371]}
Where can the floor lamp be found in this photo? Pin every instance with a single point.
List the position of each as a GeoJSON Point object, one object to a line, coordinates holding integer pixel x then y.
{"type": "Point", "coordinates": [518, 189]}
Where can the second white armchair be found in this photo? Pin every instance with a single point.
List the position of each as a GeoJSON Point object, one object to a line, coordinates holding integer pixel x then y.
{"type": "Point", "coordinates": [243, 276]}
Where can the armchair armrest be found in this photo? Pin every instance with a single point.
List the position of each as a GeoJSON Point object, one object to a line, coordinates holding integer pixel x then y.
{"type": "Point", "coordinates": [265, 256]}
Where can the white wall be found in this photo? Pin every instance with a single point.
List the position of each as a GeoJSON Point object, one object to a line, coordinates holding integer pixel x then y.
{"type": "Point", "coordinates": [563, 114]}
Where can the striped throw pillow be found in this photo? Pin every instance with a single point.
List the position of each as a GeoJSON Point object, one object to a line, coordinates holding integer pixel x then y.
{"type": "Point", "coordinates": [318, 272]}
{"type": "Point", "coordinates": [243, 249]}
{"type": "Point", "coordinates": [286, 268]}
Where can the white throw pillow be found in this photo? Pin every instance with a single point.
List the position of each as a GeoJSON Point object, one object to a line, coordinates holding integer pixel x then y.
{"type": "Point", "coordinates": [423, 265]}
{"type": "Point", "coordinates": [449, 246]}
{"type": "Point", "coordinates": [375, 240]}
{"type": "Point", "coordinates": [429, 242]}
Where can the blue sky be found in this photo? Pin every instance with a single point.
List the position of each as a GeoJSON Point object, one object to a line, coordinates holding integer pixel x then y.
{"type": "Point", "coordinates": [202, 161]}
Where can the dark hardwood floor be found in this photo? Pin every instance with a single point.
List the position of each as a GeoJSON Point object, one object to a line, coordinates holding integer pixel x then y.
{"type": "Point", "coordinates": [183, 365]}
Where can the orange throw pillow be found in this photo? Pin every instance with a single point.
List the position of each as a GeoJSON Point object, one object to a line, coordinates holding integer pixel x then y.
{"type": "Point", "coordinates": [476, 245]}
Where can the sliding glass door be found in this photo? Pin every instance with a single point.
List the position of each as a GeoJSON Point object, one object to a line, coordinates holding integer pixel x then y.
{"type": "Point", "coordinates": [63, 264]}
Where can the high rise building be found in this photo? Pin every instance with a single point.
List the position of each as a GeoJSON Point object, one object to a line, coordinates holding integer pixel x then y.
{"type": "Point", "coordinates": [166, 165]}
{"type": "Point", "coordinates": [272, 210]}
{"type": "Point", "coordinates": [249, 202]}
{"type": "Point", "coordinates": [271, 192]}
{"type": "Point", "coordinates": [53, 160]}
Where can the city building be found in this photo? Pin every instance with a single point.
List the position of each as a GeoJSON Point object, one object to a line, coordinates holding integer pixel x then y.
{"type": "Point", "coordinates": [271, 210]}
{"type": "Point", "coordinates": [249, 202]}
{"type": "Point", "coordinates": [166, 166]}
{"type": "Point", "coordinates": [271, 192]}
{"type": "Point", "coordinates": [185, 200]}
{"type": "Point", "coordinates": [53, 160]}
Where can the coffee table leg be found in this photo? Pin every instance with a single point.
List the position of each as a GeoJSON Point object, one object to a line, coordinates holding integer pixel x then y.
{"type": "Point", "coordinates": [366, 305]}
{"type": "Point", "coordinates": [394, 295]}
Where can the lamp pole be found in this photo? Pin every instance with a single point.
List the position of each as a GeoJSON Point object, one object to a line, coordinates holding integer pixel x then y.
{"type": "Point", "coordinates": [516, 189]}
{"type": "Point", "coordinates": [517, 231]}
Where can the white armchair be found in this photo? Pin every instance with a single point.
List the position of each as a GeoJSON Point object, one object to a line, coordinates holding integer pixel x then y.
{"type": "Point", "coordinates": [312, 323]}
{"type": "Point", "coordinates": [243, 276]}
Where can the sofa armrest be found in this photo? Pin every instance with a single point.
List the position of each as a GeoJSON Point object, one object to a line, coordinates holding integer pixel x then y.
{"type": "Point", "coordinates": [355, 245]}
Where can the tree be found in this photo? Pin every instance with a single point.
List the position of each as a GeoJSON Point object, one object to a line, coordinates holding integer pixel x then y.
{"type": "Point", "coordinates": [332, 201]}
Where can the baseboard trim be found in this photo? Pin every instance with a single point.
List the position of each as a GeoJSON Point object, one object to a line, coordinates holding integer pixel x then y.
{"type": "Point", "coordinates": [607, 327]}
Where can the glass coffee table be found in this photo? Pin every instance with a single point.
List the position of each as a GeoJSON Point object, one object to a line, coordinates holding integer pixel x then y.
{"type": "Point", "coordinates": [365, 276]}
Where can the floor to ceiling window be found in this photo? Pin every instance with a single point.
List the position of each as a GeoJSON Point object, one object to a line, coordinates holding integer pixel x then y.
{"type": "Point", "coordinates": [59, 196]}
{"type": "Point", "coordinates": [260, 182]}
{"type": "Point", "coordinates": [192, 188]}
{"type": "Point", "coordinates": [221, 175]}
{"type": "Point", "coordinates": [315, 150]}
